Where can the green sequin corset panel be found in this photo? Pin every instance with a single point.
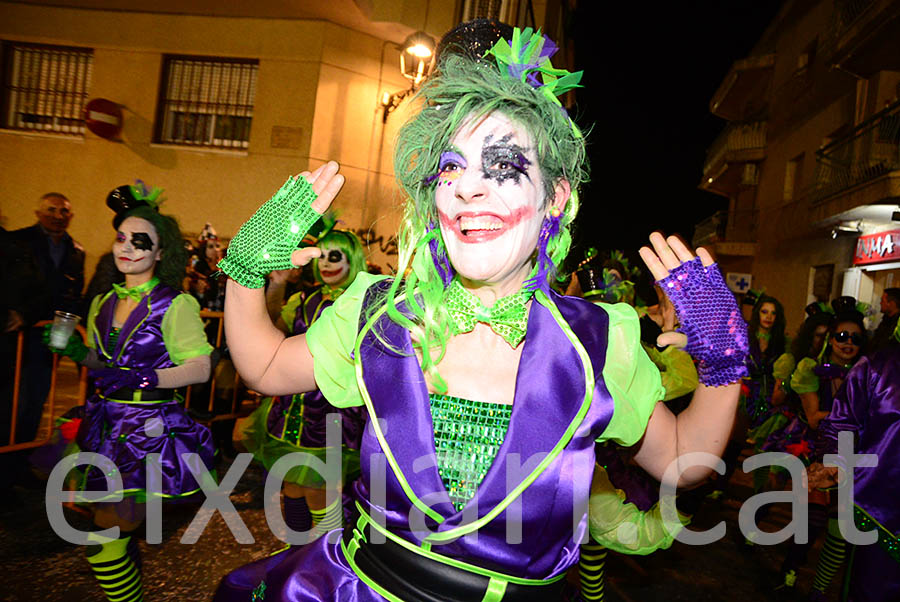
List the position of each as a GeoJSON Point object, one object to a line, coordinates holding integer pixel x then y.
{"type": "Point", "coordinates": [467, 437]}
{"type": "Point", "coordinates": [113, 338]}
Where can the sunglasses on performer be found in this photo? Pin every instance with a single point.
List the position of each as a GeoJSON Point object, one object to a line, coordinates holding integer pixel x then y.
{"type": "Point", "coordinates": [844, 336]}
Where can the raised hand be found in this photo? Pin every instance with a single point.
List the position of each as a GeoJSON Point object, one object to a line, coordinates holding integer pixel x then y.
{"type": "Point", "coordinates": [75, 348]}
{"type": "Point", "coordinates": [707, 311]}
{"type": "Point", "coordinates": [268, 240]}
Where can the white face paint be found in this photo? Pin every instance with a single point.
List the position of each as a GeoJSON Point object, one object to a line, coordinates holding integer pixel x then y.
{"type": "Point", "coordinates": [136, 248]}
{"type": "Point", "coordinates": [491, 201]}
{"type": "Point", "coordinates": [334, 265]}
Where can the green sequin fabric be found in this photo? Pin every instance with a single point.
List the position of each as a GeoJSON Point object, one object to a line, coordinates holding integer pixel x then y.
{"type": "Point", "coordinates": [266, 240]}
{"type": "Point", "coordinates": [508, 316]}
{"type": "Point", "coordinates": [112, 338]}
{"type": "Point", "coordinates": [467, 437]}
{"type": "Point", "coordinates": [889, 542]}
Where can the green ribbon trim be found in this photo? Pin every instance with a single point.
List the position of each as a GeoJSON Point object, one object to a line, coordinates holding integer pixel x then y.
{"type": "Point", "coordinates": [376, 425]}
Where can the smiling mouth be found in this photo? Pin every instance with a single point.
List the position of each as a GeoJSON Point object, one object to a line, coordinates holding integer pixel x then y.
{"type": "Point", "coordinates": [124, 259]}
{"type": "Point", "coordinates": [329, 273]}
{"type": "Point", "coordinates": [477, 227]}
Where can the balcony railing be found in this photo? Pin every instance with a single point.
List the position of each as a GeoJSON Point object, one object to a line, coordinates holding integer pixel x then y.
{"type": "Point", "coordinates": [871, 150]}
{"type": "Point", "coordinates": [725, 226]}
{"type": "Point", "coordinates": [737, 137]}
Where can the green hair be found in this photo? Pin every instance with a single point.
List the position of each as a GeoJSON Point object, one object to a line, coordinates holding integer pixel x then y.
{"type": "Point", "coordinates": [171, 267]}
{"type": "Point", "coordinates": [350, 245]}
{"type": "Point", "coordinates": [462, 90]}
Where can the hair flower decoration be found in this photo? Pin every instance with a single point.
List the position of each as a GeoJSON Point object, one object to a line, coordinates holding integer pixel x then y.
{"type": "Point", "coordinates": [527, 56]}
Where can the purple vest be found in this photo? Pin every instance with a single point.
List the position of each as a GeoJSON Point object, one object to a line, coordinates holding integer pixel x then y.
{"type": "Point", "coordinates": [140, 343]}
{"type": "Point", "coordinates": [547, 456]}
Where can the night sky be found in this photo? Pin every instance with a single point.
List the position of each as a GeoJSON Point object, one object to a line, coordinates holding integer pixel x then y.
{"type": "Point", "coordinates": [650, 71]}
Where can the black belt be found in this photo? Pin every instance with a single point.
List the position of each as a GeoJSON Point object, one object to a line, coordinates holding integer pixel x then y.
{"type": "Point", "coordinates": [129, 395]}
{"type": "Point", "coordinates": [414, 577]}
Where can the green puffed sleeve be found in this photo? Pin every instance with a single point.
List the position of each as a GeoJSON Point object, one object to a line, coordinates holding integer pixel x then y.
{"type": "Point", "coordinates": [631, 377]}
{"type": "Point", "coordinates": [289, 310]}
{"type": "Point", "coordinates": [331, 340]}
{"type": "Point", "coordinates": [90, 325]}
{"type": "Point", "coordinates": [804, 380]}
{"type": "Point", "coordinates": [676, 369]}
{"type": "Point", "coordinates": [622, 527]}
{"type": "Point", "coordinates": [183, 331]}
{"type": "Point", "coordinates": [784, 366]}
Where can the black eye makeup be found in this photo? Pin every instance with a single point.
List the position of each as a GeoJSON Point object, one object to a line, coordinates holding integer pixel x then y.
{"type": "Point", "coordinates": [335, 256]}
{"type": "Point", "coordinates": [141, 241]}
{"type": "Point", "coordinates": [502, 161]}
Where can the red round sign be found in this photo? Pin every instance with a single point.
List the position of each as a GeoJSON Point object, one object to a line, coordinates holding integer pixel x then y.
{"type": "Point", "coordinates": [103, 117]}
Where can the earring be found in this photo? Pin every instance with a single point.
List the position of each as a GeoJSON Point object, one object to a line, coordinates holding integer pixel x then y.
{"type": "Point", "coordinates": [549, 229]}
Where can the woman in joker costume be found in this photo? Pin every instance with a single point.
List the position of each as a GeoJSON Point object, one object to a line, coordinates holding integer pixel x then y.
{"type": "Point", "coordinates": [485, 390]}
{"type": "Point", "coordinates": [298, 423]}
{"type": "Point", "coordinates": [145, 339]}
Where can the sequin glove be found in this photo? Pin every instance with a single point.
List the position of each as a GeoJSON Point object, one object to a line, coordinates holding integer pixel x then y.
{"type": "Point", "coordinates": [266, 240]}
{"type": "Point", "coordinates": [75, 348]}
{"type": "Point", "coordinates": [710, 318]}
{"type": "Point", "coordinates": [109, 380]}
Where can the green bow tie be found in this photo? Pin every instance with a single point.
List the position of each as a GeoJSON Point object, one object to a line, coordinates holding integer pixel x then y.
{"type": "Point", "coordinates": [508, 317]}
{"type": "Point", "coordinates": [136, 292]}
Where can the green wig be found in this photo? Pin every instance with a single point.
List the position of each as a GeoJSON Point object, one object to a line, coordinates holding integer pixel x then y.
{"type": "Point", "coordinates": [463, 90]}
{"type": "Point", "coordinates": [171, 267]}
{"type": "Point", "coordinates": [350, 245]}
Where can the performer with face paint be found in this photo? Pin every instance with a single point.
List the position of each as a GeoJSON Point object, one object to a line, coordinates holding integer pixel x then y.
{"type": "Point", "coordinates": [485, 390]}
{"type": "Point", "coordinates": [145, 339]}
{"type": "Point", "coordinates": [297, 423]}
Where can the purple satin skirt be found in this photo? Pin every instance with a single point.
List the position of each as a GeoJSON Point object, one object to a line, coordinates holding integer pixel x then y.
{"type": "Point", "coordinates": [127, 433]}
{"type": "Point", "coordinates": [316, 572]}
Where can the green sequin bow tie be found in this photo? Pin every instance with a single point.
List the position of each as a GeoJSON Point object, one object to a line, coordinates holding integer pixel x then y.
{"type": "Point", "coordinates": [136, 292]}
{"type": "Point", "coordinates": [508, 317]}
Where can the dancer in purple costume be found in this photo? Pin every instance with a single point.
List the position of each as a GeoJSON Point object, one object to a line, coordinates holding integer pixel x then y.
{"type": "Point", "coordinates": [297, 423]}
{"type": "Point", "coordinates": [815, 382]}
{"type": "Point", "coordinates": [868, 405]}
{"type": "Point", "coordinates": [485, 390]}
{"type": "Point", "coordinates": [145, 339]}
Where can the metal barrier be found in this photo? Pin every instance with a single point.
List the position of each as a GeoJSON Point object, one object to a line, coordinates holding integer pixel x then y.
{"type": "Point", "coordinates": [238, 408]}
{"type": "Point", "coordinates": [51, 395]}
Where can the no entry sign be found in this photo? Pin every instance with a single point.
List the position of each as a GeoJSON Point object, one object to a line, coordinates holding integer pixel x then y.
{"type": "Point", "coordinates": [103, 117]}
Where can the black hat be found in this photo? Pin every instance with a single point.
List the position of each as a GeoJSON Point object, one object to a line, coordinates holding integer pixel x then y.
{"type": "Point", "coordinates": [473, 38]}
{"type": "Point", "coordinates": [125, 198]}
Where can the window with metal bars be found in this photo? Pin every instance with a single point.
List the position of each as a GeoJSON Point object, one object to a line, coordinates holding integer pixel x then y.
{"type": "Point", "coordinates": [45, 87]}
{"type": "Point", "coordinates": [206, 101]}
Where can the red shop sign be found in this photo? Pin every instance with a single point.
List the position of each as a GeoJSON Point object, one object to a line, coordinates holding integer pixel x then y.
{"type": "Point", "coordinates": [877, 248]}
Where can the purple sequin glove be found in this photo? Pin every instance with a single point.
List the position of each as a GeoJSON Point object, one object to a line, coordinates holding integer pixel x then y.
{"type": "Point", "coordinates": [109, 380]}
{"type": "Point", "coordinates": [710, 318]}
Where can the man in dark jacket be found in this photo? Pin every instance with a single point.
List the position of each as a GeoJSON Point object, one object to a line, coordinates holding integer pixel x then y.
{"type": "Point", "coordinates": [890, 311]}
{"type": "Point", "coordinates": [60, 260]}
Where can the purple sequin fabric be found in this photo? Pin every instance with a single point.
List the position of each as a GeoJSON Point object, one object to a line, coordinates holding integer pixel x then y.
{"type": "Point", "coordinates": [711, 320]}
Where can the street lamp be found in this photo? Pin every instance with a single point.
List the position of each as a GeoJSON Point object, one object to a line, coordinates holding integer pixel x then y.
{"type": "Point", "coordinates": [416, 62]}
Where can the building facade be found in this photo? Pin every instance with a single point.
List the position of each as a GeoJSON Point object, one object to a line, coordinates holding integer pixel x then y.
{"type": "Point", "coordinates": [810, 156]}
{"type": "Point", "coordinates": [218, 103]}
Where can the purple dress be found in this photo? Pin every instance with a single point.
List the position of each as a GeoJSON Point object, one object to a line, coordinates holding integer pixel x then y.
{"type": "Point", "coordinates": [868, 405]}
{"type": "Point", "coordinates": [119, 429]}
{"type": "Point", "coordinates": [540, 477]}
{"type": "Point", "coordinates": [291, 423]}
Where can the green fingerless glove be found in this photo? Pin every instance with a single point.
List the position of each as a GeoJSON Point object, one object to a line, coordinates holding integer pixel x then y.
{"type": "Point", "coordinates": [266, 240]}
{"type": "Point", "coordinates": [75, 348]}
